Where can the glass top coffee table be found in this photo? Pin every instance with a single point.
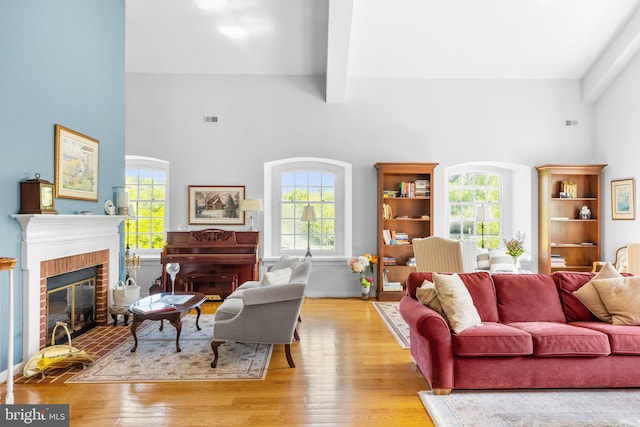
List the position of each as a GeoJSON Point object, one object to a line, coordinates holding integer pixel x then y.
{"type": "Point", "coordinates": [165, 306]}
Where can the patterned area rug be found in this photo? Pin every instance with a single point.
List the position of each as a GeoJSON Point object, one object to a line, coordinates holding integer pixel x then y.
{"type": "Point", "coordinates": [549, 408]}
{"type": "Point", "coordinates": [390, 313]}
{"type": "Point", "coordinates": [156, 359]}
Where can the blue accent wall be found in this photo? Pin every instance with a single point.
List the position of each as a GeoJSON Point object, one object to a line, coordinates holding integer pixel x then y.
{"type": "Point", "coordinates": [61, 62]}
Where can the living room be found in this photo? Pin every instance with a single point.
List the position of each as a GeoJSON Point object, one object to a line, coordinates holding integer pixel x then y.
{"type": "Point", "coordinates": [76, 64]}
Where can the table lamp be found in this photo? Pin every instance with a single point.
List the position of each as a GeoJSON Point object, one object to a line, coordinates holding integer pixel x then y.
{"type": "Point", "coordinates": [252, 205]}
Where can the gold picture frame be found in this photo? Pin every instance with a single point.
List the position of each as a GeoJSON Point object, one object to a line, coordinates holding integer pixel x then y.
{"type": "Point", "coordinates": [623, 199]}
{"type": "Point", "coordinates": [216, 205]}
{"type": "Point", "coordinates": [76, 168]}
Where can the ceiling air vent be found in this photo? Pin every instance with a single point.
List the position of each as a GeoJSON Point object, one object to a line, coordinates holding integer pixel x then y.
{"type": "Point", "coordinates": [210, 119]}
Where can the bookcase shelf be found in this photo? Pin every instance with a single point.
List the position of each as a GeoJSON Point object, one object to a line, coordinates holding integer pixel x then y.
{"type": "Point", "coordinates": [565, 241]}
{"type": "Point", "coordinates": [408, 216]}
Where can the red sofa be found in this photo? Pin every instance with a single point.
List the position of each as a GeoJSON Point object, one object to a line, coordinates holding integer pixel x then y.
{"type": "Point", "coordinates": [534, 334]}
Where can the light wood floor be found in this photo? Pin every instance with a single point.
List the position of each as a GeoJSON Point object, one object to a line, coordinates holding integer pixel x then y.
{"type": "Point", "coordinates": [350, 371]}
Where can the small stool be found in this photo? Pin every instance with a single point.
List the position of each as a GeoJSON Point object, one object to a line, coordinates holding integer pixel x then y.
{"type": "Point", "coordinates": [115, 310]}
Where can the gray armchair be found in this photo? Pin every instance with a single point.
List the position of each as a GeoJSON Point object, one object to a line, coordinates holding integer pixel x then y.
{"type": "Point", "coordinates": [262, 314]}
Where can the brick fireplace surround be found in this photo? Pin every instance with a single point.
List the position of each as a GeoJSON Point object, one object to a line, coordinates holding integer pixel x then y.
{"type": "Point", "coordinates": [57, 244]}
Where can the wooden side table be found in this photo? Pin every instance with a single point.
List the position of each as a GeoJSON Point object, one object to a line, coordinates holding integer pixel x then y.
{"type": "Point", "coordinates": [9, 264]}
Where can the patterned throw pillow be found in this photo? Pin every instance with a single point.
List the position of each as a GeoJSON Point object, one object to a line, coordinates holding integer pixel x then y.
{"type": "Point", "coordinates": [456, 302]}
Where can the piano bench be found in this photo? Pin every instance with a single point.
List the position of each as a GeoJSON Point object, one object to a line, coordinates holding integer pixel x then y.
{"type": "Point", "coordinates": [215, 286]}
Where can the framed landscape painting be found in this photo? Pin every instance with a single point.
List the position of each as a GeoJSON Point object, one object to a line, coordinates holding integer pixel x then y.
{"type": "Point", "coordinates": [76, 165]}
{"type": "Point", "coordinates": [215, 205]}
{"type": "Point", "coordinates": [623, 199]}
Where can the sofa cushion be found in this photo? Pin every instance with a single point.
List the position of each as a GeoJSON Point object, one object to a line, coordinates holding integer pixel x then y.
{"type": "Point", "coordinates": [527, 298]}
{"type": "Point", "coordinates": [621, 298]}
{"type": "Point", "coordinates": [623, 339]}
{"type": "Point", "coordinates": [492, 339]}
{"type": "Point", "coordinates": [567, 282]}
{"type": "Point", "coordinates": [428, 296]}
{"type": "Point", "coordinates": [560, 339]}
{"type": "Point", "coordinates": [285, 261]}
{"type": "Point", "coordinates": [588, 295]}
{"type": "Point", "coordinates": [456, 302]}
{"type": "Point", "coordinates": [276, 277]}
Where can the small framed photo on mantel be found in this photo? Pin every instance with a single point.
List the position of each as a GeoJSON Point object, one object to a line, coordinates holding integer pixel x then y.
{"type": "Point", "coordinates": [216, 205]}
{"type": "Point", "coordinates": [623, 199]}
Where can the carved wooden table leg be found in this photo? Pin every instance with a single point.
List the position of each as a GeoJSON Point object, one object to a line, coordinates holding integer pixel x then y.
{"type": "Point", "coordinates": [134, 326]}
{"type": "Point", "coordinates": [177, 323]}
{"type": "Point", "coordinates": [198, 310]}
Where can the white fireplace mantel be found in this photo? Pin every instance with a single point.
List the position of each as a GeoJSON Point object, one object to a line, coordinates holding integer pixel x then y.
{"type": "Point", "coordinates": [47, 237]}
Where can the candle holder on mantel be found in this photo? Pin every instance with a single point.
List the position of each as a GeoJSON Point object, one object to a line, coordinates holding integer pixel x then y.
{"type": "Point", "coordinates": [122, 200]}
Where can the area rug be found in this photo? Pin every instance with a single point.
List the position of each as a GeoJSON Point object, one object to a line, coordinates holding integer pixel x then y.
{"type": "Point", "coordinates": [390, 313]}
{"type": "Point", "coordinates": [156, 358]}
{"type": "Point", "coordinates": [549, 408]}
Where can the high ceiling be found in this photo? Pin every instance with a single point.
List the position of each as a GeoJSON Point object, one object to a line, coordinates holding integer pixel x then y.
{"type": "Point", "coordinates": [502, 39]}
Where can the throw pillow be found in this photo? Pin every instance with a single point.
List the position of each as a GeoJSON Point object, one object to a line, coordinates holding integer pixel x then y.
{"type": "Point", "coordinates": [277, 277]}
{"type": "Point", "coordinates": [456, 302]}
{"type": "Point", "coordinates": [500, 261]}
{"type": "Point", "coordinates": [483, 260]}
{"type": "Point", "coordinates": [589, 297]}
{"type": "Point", "coordinates": [285, 261]}
{"type": "Point", "coordinates": [621, 297]}
{"type": "Point", "coordinates": [428, 296]}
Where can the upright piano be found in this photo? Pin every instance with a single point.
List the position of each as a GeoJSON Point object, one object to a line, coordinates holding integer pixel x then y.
{"type": "Point", "coordinates": [212, 261]}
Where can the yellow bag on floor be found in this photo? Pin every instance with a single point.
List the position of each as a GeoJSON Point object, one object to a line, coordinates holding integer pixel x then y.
{"type": "Point", "coordinates": [55, 356]}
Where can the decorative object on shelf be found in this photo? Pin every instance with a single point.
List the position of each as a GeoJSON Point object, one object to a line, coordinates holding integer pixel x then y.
{"type": "Point", "coordinates": [570, 189]}
{"type": "Point", "coordinates": [251, 205]}
{"type": "Point", "coordinates": [122, 200]}
{"type": "Point", "coordinates": [215, 205]}
{"type": "Point", "coordinates": [623, 199]}
{"type": "Point", "coordinates": [37, 196]}
{"type": "Point", "coordinates": [363, 265]}
{"type": "Point", "coordinates": [76, 165]}
{"type": "Point", "coordinates": [585, 212]}
{"type": "Point", "coordinates": [483, 215]}
{"type": "Point", "coordinates": [515, 248]}
{"type": "Point", "coordinates": [308, 215]}
{"type": "Point", "coordinates": [109, 208]}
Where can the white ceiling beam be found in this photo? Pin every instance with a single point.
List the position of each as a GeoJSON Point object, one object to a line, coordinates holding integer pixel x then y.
{"type": "Point", "coordinates": [338, 40]}
{"type": "Point", "coordinates": [612, 61]}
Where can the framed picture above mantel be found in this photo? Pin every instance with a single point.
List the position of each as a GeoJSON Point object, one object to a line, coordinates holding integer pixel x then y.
{"type": "Point", "coordinates": [623, 199]}
{"type": "Point", "coordinates": [76, 165]}
{"type": "Point", "coordinates": [216, 205]}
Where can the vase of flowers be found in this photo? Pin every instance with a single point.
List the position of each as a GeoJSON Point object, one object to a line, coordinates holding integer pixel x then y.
{"type": "Point", "coordinates": [363, 265]}
{"type": "Point", "coordinates": [515, 248]}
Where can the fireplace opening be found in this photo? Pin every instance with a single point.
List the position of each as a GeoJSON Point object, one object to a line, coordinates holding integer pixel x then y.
{"type": "Point", "coordinates": [71, 298]}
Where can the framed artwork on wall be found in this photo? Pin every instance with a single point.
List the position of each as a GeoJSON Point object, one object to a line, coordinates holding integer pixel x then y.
{"type": "Point", "coordinates": [76, 165]}
{"type": "Point", "coordinates": [216, 205]}
{"type": "Point", "coordinates": [623, 199]}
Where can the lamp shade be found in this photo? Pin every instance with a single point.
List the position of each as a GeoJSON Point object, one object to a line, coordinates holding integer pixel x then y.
{"type": "Point", "coordinates": [251, 205]}
{"type": "Point", "coordinates": [483, 213]}
{"type": "Point", "coordinates": [309, 214]}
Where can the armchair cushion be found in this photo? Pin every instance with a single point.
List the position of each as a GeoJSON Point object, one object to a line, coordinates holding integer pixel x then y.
{"type": "Point", "coordinates": [276, 277]}
{"type": "Point", "coordinates": [285, 261]}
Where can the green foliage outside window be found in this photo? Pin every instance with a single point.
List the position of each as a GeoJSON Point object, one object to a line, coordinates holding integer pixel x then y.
{"type": "Point", "coordinates": [147, 196]}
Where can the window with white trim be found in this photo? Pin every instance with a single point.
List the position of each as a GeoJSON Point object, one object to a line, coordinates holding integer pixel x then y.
{"type": "Point", "coordinates": [292, 184]}
{"type": "Point", "coordinates": [147, 180]}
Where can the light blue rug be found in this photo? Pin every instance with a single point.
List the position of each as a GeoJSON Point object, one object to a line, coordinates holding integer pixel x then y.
{"type": "Point", "coordinates": [535, 408]}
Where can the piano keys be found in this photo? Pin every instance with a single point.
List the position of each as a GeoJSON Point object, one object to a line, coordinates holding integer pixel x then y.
{"type": "Point", "coordinates": [212, 261]}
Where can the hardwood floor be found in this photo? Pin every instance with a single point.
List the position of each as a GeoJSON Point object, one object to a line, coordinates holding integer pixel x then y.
{"type": "Point", "coordinates": [350, 371]}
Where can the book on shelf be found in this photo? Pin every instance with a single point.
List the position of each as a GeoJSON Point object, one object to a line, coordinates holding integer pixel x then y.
{"type": "Point", "coordinates": [386, 237]}
{"type": "Point", "coordinates": [392, 286]}
{"type": "Point", "coordinates": [387, 211]}
{"type": "Point", "coordinates": [407, 189]}
{"type": "Point", "coordinates": [388, 260]}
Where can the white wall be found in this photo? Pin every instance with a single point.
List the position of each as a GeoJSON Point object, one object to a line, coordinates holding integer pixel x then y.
{"type": "Point", "coordinates": [264, 118]}
{"type": "Point", "coordinates": [617, 136]}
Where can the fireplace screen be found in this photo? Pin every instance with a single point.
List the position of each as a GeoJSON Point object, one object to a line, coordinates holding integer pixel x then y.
{"type": "Point", "coordinates": [74, 304]}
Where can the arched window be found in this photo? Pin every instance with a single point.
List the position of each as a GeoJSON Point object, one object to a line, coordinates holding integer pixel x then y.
{"type": "Point", "coordinates": [504, 189]}
{"type": "Point", "coordinates": [293, 184]}
{"type": "Point", "coordinates": [147, 180]}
